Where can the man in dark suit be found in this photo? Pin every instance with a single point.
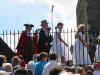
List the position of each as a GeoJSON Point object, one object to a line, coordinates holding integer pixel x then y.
{"type": "Point", "coordinates": [44, 37]}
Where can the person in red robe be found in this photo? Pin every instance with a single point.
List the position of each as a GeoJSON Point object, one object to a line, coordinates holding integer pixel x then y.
{"type": "Point", "coordinates": [25, 44]}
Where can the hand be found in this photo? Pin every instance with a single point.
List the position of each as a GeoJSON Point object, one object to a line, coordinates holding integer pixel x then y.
{"type": "Point", "coordinates": [86, 45]}
{"type": "Point", "coordinates": [66, 44]}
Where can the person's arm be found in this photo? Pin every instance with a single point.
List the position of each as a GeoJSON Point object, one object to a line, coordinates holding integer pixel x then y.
{"type": "Point", "coordinates": [59, 37]}
{"type": "Point", "coordinates": [81, 39]}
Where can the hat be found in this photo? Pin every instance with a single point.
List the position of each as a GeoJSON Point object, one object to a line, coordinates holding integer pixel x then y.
{"type": "Point", "coordinates": [31, 25]}
{"type": "Point", "coordinates": [60, 23]}
{"type": "Point", "coordinates": [44, 22]}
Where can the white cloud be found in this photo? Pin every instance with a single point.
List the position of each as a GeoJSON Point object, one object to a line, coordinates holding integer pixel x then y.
{"type": "Point", "coordinates": [64, 10]}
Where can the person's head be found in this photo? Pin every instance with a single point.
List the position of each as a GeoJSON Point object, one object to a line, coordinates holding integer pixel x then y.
{"type": "Point", "coordinates": [43, 56]}
{"type": "Point", "coordinates": [63, 61]}
{"type": "Point", "coordinates": [60, 25]}
{"type": "Point", "coordinates": [52, 56]}
{"type": "Point", "coordinates": [77, 70]}
{"type": "Point", "coordinates": [81, 27]}
{"type": "Point", "coordinates": [64, 73]}
{"type": "Point", "coordinates": [21, 57]}
{"type": "Point", "coordinates": [7, 67]}
{"type": "Point", "coordinates": [28, 27]}
{"type": "Point", "coordinates": [44, 24]}
{"type": "Point", "coordinates": [68, 69]}
{"type": "Point", "coordinates": [88, 70]}
{"type": "Point", "coordinates": [3, 59]}
{"type": "Point", "coordinates": [16, 61]}
{"type": "Point", "coordinates": [36, 57]}
{"type": "Point", "coordinates": [3, 73]}
{"type": "Point", "coordinates": [21, 71]}
{"type": "Point", "coordinates": [55, 70]}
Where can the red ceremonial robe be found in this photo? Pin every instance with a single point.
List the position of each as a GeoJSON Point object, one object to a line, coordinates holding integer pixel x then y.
{"type": "Point", "coordinates": [25, 46]}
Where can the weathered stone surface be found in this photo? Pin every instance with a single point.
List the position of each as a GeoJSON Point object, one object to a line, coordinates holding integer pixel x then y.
{"type": "Point", "coordinates": [88, 12]}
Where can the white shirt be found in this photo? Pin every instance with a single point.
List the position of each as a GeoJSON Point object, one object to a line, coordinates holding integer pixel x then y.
{"type": "Point", "coordinates": [48, 66]}
{"type": "Point", "coordinates": [97, 53]}
{"type": "Point", "coordinates": [31, 65]}
{"type": "Point", "coordinates": [96, 73]}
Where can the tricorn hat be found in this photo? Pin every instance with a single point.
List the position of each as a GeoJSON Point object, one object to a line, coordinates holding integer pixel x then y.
{"type": "Point", "coordinates": [31, 25]}
{"type": "Point", "coordinates": [44, 22]}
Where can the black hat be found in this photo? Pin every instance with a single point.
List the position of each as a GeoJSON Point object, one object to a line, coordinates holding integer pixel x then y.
{"type": "Point", "coordinates": [44, 22]}
{"type": "Point", "coordinates": [31, 25]}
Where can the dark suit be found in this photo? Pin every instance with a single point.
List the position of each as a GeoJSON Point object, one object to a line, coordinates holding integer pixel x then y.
{"type": "Point", "coordinates": [44, 41]}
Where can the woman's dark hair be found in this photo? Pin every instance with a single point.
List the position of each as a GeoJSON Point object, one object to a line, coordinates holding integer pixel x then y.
{"type": "Point", "coordinates": [55, 70]}
{"type": "Point", "coordinates": [21, 71]}
{"type": "Point", "coordinates": [60, 24]}
{"type": "Point", "coordinates": [52, 56]}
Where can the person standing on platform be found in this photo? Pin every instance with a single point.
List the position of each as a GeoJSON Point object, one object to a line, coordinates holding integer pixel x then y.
{"type": "Point", "coordinates": [59, 46]}
{"type": "Point", "coordinates": [80, 48]}
{"type": "Point", "coordinates": [44, 37]}
{"type": "Point", "coordinates": [97, 53]}
{"type": "Point", "coordinates": [25, 43]}
{"type": "Point", "coordinates": [36, 42]}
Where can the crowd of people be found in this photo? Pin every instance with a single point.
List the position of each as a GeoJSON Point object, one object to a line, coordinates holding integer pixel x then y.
{"type": "Point", "coordinates": [42, 64]}
{"type": "Point", "coordinates": [46, 54]}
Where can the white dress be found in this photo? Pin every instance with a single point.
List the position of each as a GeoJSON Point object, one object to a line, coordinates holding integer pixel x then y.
{"type": "Point", "coordinates": [80, 52]}
{"type": "Point", "coordinates": [59, 48]}
{"type": "Point", "coordinates": [97, 53]}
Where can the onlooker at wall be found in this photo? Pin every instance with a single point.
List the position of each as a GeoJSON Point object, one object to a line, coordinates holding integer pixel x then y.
{"type": "Point", "coordinates": [52, 63]}
{"type": "Point", "coordinates": [7, 67]}
{"type": "Point", "coordinates": [3, 59]}
{"type": "Point", "coordinates": [16, 61]}
{"type": "Point", "coordinates": [40, 65]}
{"type": "Point", "coordinates": [31, 64]}
{"type": "Point", "coordinates": [88, 70]}
{"type": "Point", "coordinates": [3, 73]}
{"type": "Point", "coordinates": [55, 70]}
{"type": "Point", "coordinates": [21, 72]}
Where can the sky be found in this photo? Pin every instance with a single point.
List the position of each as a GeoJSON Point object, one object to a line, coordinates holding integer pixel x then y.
{"type": "Point", "coordinates": [15, 13]}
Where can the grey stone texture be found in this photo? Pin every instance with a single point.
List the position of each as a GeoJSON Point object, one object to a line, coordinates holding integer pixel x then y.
{"type": "Point", "coordinates": [88, 12]}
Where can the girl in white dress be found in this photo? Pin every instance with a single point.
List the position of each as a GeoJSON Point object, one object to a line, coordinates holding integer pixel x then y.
{"type": "Point", "coordinates": [97, 53]}
{"type": "Point", "coordinates": [80, 51]}
{"type": "Point", "coordinates": [59, 46]}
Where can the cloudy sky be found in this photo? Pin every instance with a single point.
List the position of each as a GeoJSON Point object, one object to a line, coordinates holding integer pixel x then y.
{"type": "Point", "coordinates": [15, 13]}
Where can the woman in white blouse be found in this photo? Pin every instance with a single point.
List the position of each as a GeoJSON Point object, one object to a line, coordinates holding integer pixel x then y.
{"type": "Point", "coordinates": [80, 51]}
{"type": "Point", "coordinates": [59, 46]}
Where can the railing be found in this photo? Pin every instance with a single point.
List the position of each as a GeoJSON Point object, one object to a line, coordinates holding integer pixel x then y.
{"type": "Point", "coordinates": [11, 38]}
